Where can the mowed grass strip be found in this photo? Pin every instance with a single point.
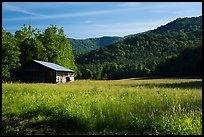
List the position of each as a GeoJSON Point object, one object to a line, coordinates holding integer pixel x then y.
{"type": "Point", "coordinates": [144, 107]}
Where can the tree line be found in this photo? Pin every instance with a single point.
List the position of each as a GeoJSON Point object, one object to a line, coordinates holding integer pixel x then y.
{"type": "Point", "coordinates": [29, 43]}
{"type": "Point", "coordinates": [173, 49]}
{"type": "Point", "coordinates": [148, 54]}
{"type": "Point", "coordinates": [138, 56]}
{"type": "Point", "coordinates": [81, 46]}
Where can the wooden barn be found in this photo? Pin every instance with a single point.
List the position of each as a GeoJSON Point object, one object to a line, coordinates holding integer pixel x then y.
{"type": "Point", "coordinates": [40, 71]}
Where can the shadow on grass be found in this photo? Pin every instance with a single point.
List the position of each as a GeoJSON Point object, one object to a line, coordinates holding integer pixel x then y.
{"type": "Point", "coordinates": [182, 85]}
{"type": "Point", "coordinates": [52, 123]}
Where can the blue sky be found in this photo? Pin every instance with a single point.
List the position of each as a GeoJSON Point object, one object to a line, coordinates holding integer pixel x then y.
{"type": "Point", "coordinates": [82, 20]}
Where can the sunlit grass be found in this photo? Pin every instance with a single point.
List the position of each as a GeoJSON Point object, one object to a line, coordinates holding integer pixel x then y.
{"type": "Point", "coordinates": [160, 106]}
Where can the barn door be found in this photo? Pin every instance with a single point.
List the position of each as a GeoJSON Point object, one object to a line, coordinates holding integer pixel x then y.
{"type": "Point", "coordinates": [59, 79]}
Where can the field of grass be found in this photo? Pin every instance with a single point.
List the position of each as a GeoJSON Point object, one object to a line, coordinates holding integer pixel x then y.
{"type": "Point", "coordinates": [139, 107]}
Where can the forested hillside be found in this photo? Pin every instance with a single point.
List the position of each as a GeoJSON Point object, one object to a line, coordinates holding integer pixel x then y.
{"type": "Point", "coordinates": [81, 46]}
{"type": "Point", "coordinates": [188, 63]}
{"type": "Point", "coordinates": [140, 54]}
{"type": "Point", "coordinates": [171, 49]}
{"type": "Point", "coordinates": [193, 24]}
{"type": "Point", "coordinates": [29, 43]}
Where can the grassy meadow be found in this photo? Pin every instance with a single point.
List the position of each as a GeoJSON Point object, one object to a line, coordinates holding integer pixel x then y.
{"type": "Point", "coordinates": [113, 107]}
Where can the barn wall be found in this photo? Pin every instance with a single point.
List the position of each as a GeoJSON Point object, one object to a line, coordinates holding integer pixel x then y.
{"type": "Point", "coordinates": [34, 72]}
{"type": "Point", "coordinates": [62, 77]}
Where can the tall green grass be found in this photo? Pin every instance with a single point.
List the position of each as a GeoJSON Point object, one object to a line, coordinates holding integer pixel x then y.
{"type": "Point", "coordinates": [145, 107]}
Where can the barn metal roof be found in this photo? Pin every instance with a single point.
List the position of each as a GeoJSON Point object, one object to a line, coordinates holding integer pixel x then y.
{"type": "Point", "coordinates": [53, 66]}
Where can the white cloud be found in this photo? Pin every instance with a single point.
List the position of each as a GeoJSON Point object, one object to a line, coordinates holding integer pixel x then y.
{"type": "Point", "coordinates": [160, 7]}
{"type": "Point", "coordinates": [113, 29]}
{"type": "Point", "coordinates": [89, 21]}
{"type": "Point", "coordinates": [189, 12]}
{"type": "Point", "coordinates": [94, 29]}
{"type": "Point", "coordinates": [91, 28]}
{"type": "Point", "coordinates": [130, 4]}
{"type": "Point", "coordinates": [66, 15]}
{"type": "Point", "coordinates": [11, 7]}
{"type": "Point", "coordinates": [170, 5]}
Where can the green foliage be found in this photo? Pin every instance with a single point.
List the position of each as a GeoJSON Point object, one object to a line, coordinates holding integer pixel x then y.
{"type": "Point", "coordinates": [188, 63]}
{"type": "Point", "coordinates": [10, 54]}
{"type": "Point", "coordinates": [141, 107]}
{"type": "Point", "coordinates": [30, 44]}
{"type": "Point", "coordinates": [145, 50]}
{"type": "Point", "coordinates": [183, 24]}
{"type": "Point", "coordinates": [58, 48]}
{"type": "Point", "coordinates": [86, 45]}
{"type": "Point", "coordinates": [110, 57]}
{"type": "Point", "coordinates": [32, 48]}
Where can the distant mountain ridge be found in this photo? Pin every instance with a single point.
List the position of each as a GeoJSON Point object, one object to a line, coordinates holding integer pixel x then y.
{"type": "Point", "coordinates": [142, 51]}
{"type": "Point", "coordinates": [81, 46]}
{"type": "Point", "coordinates": [182, 24]}
{"type": "Point", "coordinates": [133, 35]}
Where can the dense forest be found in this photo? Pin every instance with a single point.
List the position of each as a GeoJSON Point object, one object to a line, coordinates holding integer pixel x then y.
{"type": "Point", "coordinates": [29, 43]}
{"type": "Point", "coordinates": [174, 49]}
{"type": "Point", "coordinates": [187, 63]}
{"type": "Point", "coordinates": [81, 46]}
{"type": "Point", "coordinates": [140, 55]}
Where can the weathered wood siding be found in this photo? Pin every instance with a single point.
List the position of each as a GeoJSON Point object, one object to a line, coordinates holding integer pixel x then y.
{"type": "Point", "coordinates": [33, 72]}
{"type": "Point", "coordinates": [62, 77]}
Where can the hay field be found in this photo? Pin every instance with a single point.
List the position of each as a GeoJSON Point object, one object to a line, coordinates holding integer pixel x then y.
{"type": "Point", "coordinates": [112, 107]}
